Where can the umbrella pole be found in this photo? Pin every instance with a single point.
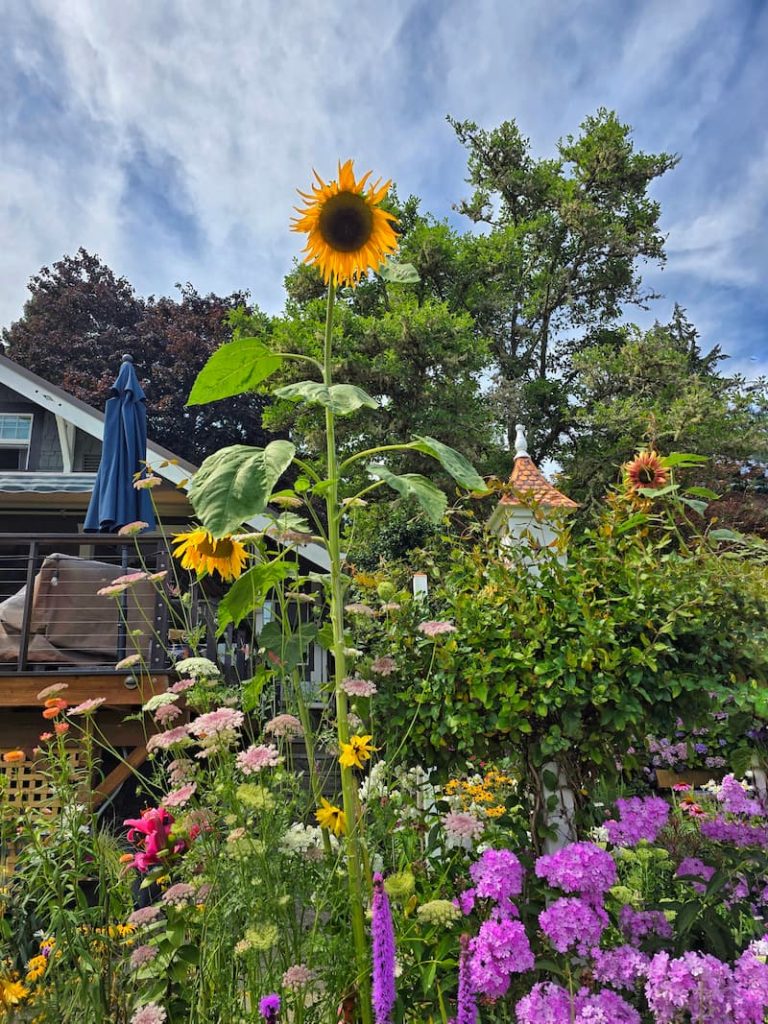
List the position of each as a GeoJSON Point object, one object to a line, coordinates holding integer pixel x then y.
{"type": "Point", "coordinates": [121, 631]}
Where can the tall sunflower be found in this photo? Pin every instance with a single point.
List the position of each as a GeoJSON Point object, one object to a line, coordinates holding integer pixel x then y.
{"type": "Point", "coordinates": [646, 470]}
{"type": "Point", "coordinates": [348, 233]}
{"type": "Point", "coordinates": [201, 552]}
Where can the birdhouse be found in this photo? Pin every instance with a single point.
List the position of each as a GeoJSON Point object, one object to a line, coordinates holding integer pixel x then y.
{"type": "Point", "coordinates": [531, 512]}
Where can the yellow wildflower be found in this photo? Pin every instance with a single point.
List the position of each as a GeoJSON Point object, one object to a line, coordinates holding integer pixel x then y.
{"type": "Point", "coordinates": [356, 752]}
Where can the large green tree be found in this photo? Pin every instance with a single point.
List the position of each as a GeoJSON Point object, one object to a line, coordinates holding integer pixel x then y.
{"type": "Point", "coordinates": [557, 256]}
{"type": "Point", "coordinates": [80, 318]}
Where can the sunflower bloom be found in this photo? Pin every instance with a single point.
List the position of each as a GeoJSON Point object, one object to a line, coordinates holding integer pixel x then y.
{"type": "Point", "coordinates": [356, 752]}
{"type": "Point", "coordinates": [11, 993]}
{"type": "Point", "coordinates": [348, 232]}
{"type": "Point", "coordinates": [646, 470]}
{"type": "Point", "coordinates": [199, 551]}
{"type": "Point", "coordinates": [331, 817]}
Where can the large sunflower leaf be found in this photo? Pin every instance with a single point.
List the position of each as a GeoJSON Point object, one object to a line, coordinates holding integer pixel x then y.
{"type": "Point", "coordinates": [251, 589]}
{"type": "Point", "coordinates": [235, 483]}
{"type": "Point", "coordinates": [398, 273]}
{"type": "Point", "coordinates": [341, 399]}
{"type": "Point", "coordinates": [453, 462]}
{"type": "Point", "coordinates": [430, 497]}
{"type": "Point", "coordinates": [233, 369]}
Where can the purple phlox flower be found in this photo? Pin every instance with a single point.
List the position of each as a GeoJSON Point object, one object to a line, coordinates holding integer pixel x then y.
{"type": "Point", "coordinates": [465, 901]}
{"type": "Point", "coordinates": [383, 953]}
{"type": "Point", "coordinates": [269, 1007]}
{"type": "Point", "coordinates": [573, 923]}
{"type": "Point", "coordinates": [497, 875]}
{"type": "Point", "coordinates": [637, 924]}
{"type": "Point", "coordinates": [466, 1000]}
{"type": "Point", "coordinates": [737, 833]}
{"type": "Point", "coordinates": [548, 1003]}
{"type": "Point", "coordinates": [500, 949]}
{"type": "Point", "coordinates": [693, 866]}
{"type": "Point", "coordinates": [695, 986]}
{"type": "Point", "coordinates": [582, 868]}
{"type": "Point", "coordinates": [750, 976]}
{"type": "Point", "coordinates": [736, 800]}
{"type": "Point", "coordinates": [639, 818]}
{"type": "Point", "coordinates": [620, 967]}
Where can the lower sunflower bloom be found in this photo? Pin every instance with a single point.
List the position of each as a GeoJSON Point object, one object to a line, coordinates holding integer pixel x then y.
{"type": "Point", "coordinates": [646, 470]}
{"type": "Point", "coordinates": [331, 817]}
{"type": "Point", "coordinates": [200, 551]}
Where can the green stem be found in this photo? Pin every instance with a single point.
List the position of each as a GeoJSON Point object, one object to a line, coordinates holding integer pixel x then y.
{"type": "Point", "coordinates": [376, 451]}
{"type": "Point", "coordinates": [348, 782]}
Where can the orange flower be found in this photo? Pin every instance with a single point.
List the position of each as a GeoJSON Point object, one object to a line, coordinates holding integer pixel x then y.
{"type": "Point", "coordinates": [61, 727]}
{"type": "Point", "coordinates": [646, 470]}
{"type": "Point", "coordinates": [14, 756]}
{"type": "Point", "coordinates": [50, 713]}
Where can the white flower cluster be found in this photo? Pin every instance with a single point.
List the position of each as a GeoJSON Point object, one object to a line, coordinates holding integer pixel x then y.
{"type": "Point", "coordinates": [197, 668]}
{"type": "Point", "coordinates": [305, 841]}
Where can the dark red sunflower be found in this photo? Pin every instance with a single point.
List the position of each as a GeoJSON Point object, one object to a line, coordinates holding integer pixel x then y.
{"type": "Point", "coordinates": [646, 470]}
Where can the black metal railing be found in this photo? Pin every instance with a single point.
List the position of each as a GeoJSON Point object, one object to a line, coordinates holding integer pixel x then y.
{"type": "Point", "coordinates": [52, 616]}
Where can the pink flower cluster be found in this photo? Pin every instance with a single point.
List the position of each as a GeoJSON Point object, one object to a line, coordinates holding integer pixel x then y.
{"type": "Point", "coordinates": [497, 875]}
{"type": "Point", "coordinates": [548, 1003]}
{"type": "Point", "coordinates": [573, 923]}
{"type": "Point", "coordinates": [433, 628]}
{"type": "Point", "coordinates": [216, 730]}
{"type": "Point", "coordinates": [735, 799]}
{"type": "Point", "coordinates": [153, 829]}
{"type": "Point", "coordinates": [499, 950]}
{"type": "Point", "coordinates": [255, 759]}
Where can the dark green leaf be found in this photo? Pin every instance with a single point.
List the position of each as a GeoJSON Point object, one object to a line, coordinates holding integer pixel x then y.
{"type": "Point", "coordinates": [235, 484]}
{"type": "Point", "coordinates": [703, 492]}
{"type": "Point", "coordinates": [684, 459]}
{"type": "Point", "coordinates": [233, 369]}
{"type": "Point", "coordinates": [251, 589]}
{"type": "Point", "coordinates": [252, 688]}
{"type": "Point", "coordinates": [430, 497]}
{"type": "Point", "coordinates": [453, 462]}
{"type": "Point", "coordinates": [733, 535]}
{"type": "Point", "coordinates": [698, 506]}
{"type": "Point", "coordinates": [629, 524]}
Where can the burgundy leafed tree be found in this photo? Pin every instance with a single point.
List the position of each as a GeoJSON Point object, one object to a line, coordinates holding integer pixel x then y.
{"type": "Point", "coordinates": [80, 319]}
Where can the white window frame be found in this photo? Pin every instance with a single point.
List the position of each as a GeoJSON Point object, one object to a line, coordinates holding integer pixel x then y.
{"type": "Point", "coordinates": [15, 442]}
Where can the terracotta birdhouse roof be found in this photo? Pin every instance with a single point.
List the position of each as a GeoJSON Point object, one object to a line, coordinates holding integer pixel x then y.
{"type": "Point", "coordinates": [528, 484]}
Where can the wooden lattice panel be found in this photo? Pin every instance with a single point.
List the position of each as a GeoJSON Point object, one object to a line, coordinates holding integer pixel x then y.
{"type": "Point", "coordinates": [26, 784]}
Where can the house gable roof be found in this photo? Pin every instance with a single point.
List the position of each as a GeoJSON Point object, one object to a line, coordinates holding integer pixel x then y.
{"type": "Point", "coordinates": [83, 416]}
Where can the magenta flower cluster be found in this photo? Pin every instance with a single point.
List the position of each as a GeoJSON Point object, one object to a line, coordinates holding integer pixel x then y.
{"type": "Point", "coordinates": [497, 875]}
{"type": "Point", "coordinates": [573, 923]}
{"type": "Point", "coordinates": [583, 868]}
{"type": "Point", "coordinates": [383, 953]}
{"type": "Point", "coordinates": [499, 950]}
{"type": "Point", "coordinates": [699, 987]}
{"type": "Point", "coordinates": [639, 818]}
{"type": "Point", "coordinates": [736, 800]}
{"type": "Point", "coordinates": [636, 925]}
{"type": "Point", "coordinates": [548, 1003]}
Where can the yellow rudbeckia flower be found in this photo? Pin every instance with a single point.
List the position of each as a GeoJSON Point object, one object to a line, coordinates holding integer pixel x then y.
{"type": "Point", "coordinates": [331, 817]}
{"type": "Point", "coordinates": [357, 751]}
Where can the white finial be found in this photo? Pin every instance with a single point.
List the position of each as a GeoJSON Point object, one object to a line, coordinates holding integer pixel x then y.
{"type": "Point", "coordinates": [521, 443]}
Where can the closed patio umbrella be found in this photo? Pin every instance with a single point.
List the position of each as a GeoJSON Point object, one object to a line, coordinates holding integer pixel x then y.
{"type": "Point", "coordinates": [115, 502]}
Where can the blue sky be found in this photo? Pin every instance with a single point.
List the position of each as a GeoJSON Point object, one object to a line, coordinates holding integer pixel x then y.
{"type": "Point", "coordinates": [169, 137]}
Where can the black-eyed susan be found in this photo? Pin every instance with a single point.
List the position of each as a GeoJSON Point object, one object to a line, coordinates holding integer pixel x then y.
{"type": "Point", "coordinates": [201, 552]}
{"type": "Point", "coordinates": [646, 470]}
{"type": "Point", "coordinates": [348, 232]}
{"type": "Point", "coordinates": [331, 817]}
{"type": "Point", "coordinates": [355, 753]}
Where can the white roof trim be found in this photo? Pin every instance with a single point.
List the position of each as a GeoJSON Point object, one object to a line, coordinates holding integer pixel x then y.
{"type": "Point", "coordinates": [91, 421]}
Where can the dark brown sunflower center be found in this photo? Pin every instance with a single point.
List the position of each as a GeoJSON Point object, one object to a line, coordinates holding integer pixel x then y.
{"type": "Point", "coordinates": [215, 548]}
{"type": "Point", "coordinates": [346, 222]}
{"type": "Point", "coordinates": [646, 475]}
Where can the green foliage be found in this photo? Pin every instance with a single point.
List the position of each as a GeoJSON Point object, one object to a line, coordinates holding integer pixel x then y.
{"type": "Point", "coordinates": [233, 369]}
{"type": "Point", "coordinates": [236, 483]}
{"type": "Point", "coordinates": [388, 533]}
{"type": "Point", "coordinates": [581, 659]}
{"type": "Point", "coordinates": [413, 485]}
{"type": "Point", "coordinates": [341, 399]}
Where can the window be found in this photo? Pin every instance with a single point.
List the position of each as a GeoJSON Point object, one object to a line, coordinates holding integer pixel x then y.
{"type": "Point", "coordinates": [15, 436]}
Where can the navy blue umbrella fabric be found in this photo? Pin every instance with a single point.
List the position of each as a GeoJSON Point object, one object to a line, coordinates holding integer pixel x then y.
{"type": "Point", "coordinates": [115, 502]}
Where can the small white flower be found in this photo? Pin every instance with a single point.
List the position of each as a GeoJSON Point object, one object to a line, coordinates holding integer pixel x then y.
{"type": "Point", "coordinates": [158, 700]}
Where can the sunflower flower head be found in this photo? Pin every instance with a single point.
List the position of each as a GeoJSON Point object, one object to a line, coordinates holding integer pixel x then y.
{"type": "Point", "coordinates": [331, 817]}
{"type": "Point", "coordinates": [200, 551]}
{"type": "Point", "coordinates": [646, 470]}
{"type": "Point", "coordinates": [355, 753]}
{"type": "Point", "coordinates": [347, 231]}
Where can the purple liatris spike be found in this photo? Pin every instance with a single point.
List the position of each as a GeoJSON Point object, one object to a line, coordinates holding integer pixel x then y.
{"type": "Point", "coordinates": [383, 949]}
{"type": "Point", "coordinates": [269, 1007]}
{"type": "Point", "coordinates": [466, 1003]}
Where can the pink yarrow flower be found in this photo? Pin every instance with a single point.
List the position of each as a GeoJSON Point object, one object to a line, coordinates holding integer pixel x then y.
{"type": "Point", "coordinates": [222, 720]}
{"type": "Point", "coordinates": [167, 713]}
{"type": "Point", "coordinates": [88, 706]}
{"type": "Point", "coordinates": [131, 577]}
{"type": "Point", "coordinates": [169, 738]}
{"type": "Point", "coordinates": [152, 1013]}
{"type": "Point", "coordinates": [52, 690]}
{"type": "Point", "coordinates": [181, 796]}
{"type": "Point", "coordinates": [112, 590]}
{"type": "Point", "coordinates": [462, 827]}
{"type": "Point", "coordinates": [384, 666]}
{"type": "Point", "coordinates": [284, 725]}
{"type": "Point", "coordinates": [359, 687]}
{"type": "Point", "coordinates": [255, 759]}
{"type": "Point", "coordinates": [433, 628]}
{"type": "Point", "coordinates": [181, 685]}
